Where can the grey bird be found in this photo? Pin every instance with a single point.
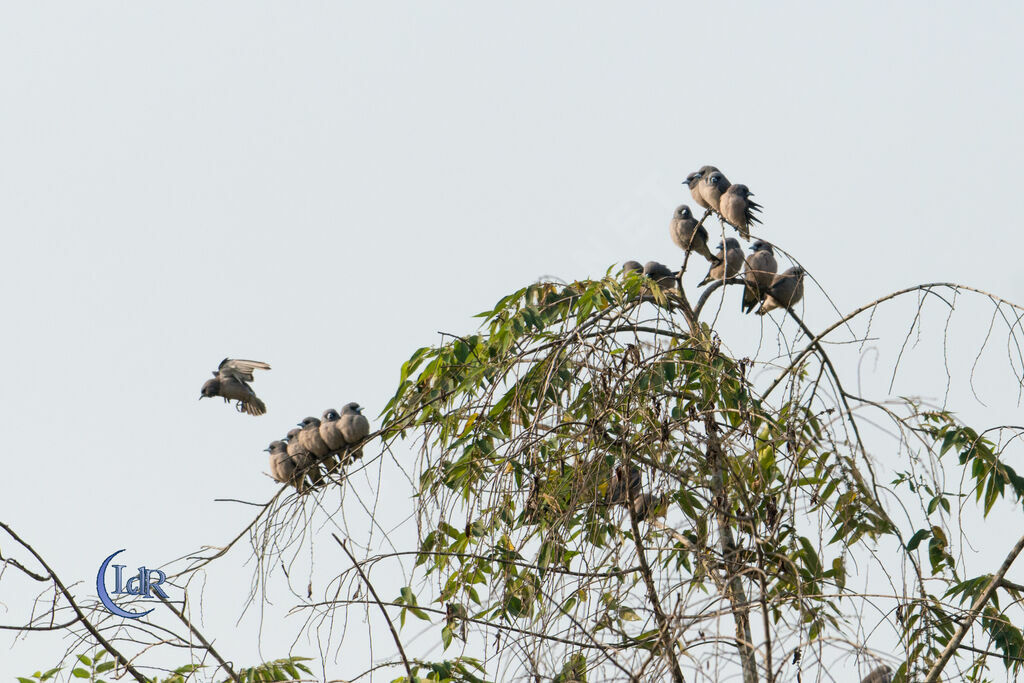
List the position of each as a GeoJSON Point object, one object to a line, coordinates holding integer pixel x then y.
{"type": "Point", "coordinates": [737, 208]}
{"type": "Point", "coordinates": [354, 427]}
{"type": "Point", "coordinates": [881, 674]}
{"type": "Point", "coordinates": [712, 186]}
{"type": "Point", "coordinates": [620, 484]}
{"type": "Point", "coordinates": [632, 267]}
{"type": "Point", "coordinates": [759, 273]}
{"type": "Point", "coordinates": [786, 290]}
{"type": "Point", "coordinates": [687, 234]}
{"type": "Point", "coordinates": [330, 432]}
{"type": "Point", "coordinates": [303, 459]}
{"type": "Point", "coordinates": [661, 274]}
{"type": "Point", "coordinates": [310, 439]}
{"type": "Point", "coordinates": [231, 382]}
{"type": "Point", "coordinates": [693, 182]}
{"type": "Point", "coordinates": [730, 260]}
{"type": "Point", "coordinates": [282, 467]}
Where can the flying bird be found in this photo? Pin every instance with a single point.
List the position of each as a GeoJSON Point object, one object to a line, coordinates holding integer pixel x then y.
{"type": "Point", "coordinates": [712, 186]}
{"type": "Point", "coordinates": [786, 290]}
{"type": "Point", "coordinates": [687, 233]}
{"type": "Point", "coordinates": [231, 382]}
{"type": "Point", "coordinates": [729, 262]}
{"type": "Point", "coordinates": [761, 267]}
{"type": "Point", "coordinates": [354, 427]}
{"type": "Point", "coordinates": [693, 182]}
{"type": "Point", "coordinates": [661, 274]}
{"type": "Point", "coordinates": [737, 208]}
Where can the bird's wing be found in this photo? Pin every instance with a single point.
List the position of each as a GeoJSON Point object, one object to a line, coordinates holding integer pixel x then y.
{"type": "Point", "coordinates": [240, 369]}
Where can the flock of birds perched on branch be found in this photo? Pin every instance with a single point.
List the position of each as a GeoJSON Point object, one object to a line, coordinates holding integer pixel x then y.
{"type": "Point", "coordinates": [318, 447]}
{"type": "Point", "coordinates": [763, 284]}
{"type": "Point", "coordinates": [314, 447]}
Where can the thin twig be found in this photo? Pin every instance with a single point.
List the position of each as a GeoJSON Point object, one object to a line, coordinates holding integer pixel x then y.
{"type": "Point", "coordinates": [376, 598]}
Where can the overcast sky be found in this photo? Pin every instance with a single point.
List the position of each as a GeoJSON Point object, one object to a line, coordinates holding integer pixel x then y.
{"type": "Point", "coordinates": [325, 186]}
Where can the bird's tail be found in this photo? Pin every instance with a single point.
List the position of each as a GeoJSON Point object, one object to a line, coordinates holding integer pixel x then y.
{"type": "Point", "coordinates": [253, 406]}
{"type": "Point", "coordinates": [750, 299]}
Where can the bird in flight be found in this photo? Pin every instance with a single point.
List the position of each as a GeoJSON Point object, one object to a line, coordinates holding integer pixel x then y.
{"type": "Point", "coordinates": [231, 382]}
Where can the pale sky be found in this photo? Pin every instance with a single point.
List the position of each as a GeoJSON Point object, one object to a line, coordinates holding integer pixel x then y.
{"type": "Point", "coordinates": [325, 186]}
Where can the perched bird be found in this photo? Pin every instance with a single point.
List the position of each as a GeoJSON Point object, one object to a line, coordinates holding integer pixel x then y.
{"type": "Point", "coordinates": [281, 466]}
{"type": "Point", "coordinates": [310, 439]}
{"type": "Point", "coordinates": [687, 234]}
{"type": "Point", "coordinates": [730, 260]}
{"type": "Point", "coordinates": [759, 273]}
{"type": "Point", "coordinates": [303, 460]}
{"type": "Point", "coordinates": [661, 274]}
{"type": "Point", "coordinates": [354, 427]}
{"type": "Point", "coordinates": [693, 181]}
{"type": "Point", "coordinates": [786, 290]}
{"type": "Point", "coordinates": [329, 431]}
{"type": "Point", "coordinates": [632, 267]}
{"type": "Point", "coordinates": [882, 674]}
{"type": "Point", "coordinates": [231, 381]}
{"type": "Point", "coordinates": [737, 208]}
{"type": "Point", "coordinates": [712, 186]}
{"type": "Point", "coordinates": [620, 484]}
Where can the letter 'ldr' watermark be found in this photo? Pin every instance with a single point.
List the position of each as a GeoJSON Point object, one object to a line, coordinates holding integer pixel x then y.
{"type": "Point", "coordinates": [141, 584]}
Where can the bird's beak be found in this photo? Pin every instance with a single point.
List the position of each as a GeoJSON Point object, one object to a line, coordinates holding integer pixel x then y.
{"type": "Point", "coordinates": [266, 450]}
{"type": "Point", "coordinates": [200, 397]}
{"type": "Point", "coordinates": [298, 424]}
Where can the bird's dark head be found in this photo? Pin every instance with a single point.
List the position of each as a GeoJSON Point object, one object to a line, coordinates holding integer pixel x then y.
{"type": "Point", "coordinates": [352, 408]}
{"type": "Point", "coordinates": [731, 243]}
{"type": "Point", "coordinates": [275, 446]}
{"type": "Point", "coordinates": [692, 179]}
{"type": "Point", "coordinates": [210, 389]}
{"type": "Point", "coordinates": [683, 212]}
{"type": "Point", "coordinates": [292, 433]}
{"type": "Point", "coordinates": [761, 245]}
{"type": "Point", "coordinates": [330, 415]}
{"type": "Point", "coordinates": [716, 179]}
{"type": "Point", "coordinates": [309, 422]}
{"type": "Point", "coordinates": [632, 267]}
{"type": "Point", "coordinates": [798, 271]}
{"type": "Point", "coordinates": [741, 190]}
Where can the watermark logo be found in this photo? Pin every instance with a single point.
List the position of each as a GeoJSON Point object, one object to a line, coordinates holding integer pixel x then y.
{"type": "Point", "coordinates": [145, 584]}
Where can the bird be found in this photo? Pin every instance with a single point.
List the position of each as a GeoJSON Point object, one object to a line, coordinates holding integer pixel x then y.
{"type": "Point", "coordinates": [632, 267]}
{"type": "Point", "coordinates": [329, 431]}
{"type": "Point", "coordinates": [354, 427]}
{"type": "Point", "coordinates": [303, 459]}
{"type": "Point", "coordinates": [620, 483]}
{"type": "Point", "coordinates": [712, 186]}
{"type": "Point", "coordinates": [661, 274]}
{"type": "Point", "coordinates": [282, 468]}
{"type": "Point", "coordinates": [310, 439]}
{"type": "Point", "coordinates": [688, 234]}
{"type": "Point", "coordinates": [231, 382]}
{"type": "Point", "coordinates": [729, 261]}
{"type": "Point", "coordinates": [881, 674]}
{"type": "Point", "coordinates": [693, 181]}
{"type": "Point", "coordinates": [786, 290]}
{"type": "Point", "coordinates": [737, 208]}
{"type": "Point", "coordinates": [759, 272]}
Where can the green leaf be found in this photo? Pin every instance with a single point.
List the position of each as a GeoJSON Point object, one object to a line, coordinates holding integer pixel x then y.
{"type": "Point", "coordinates": [80, 673]}
{"type": "Point", "coordinates": [446, 637]}
{"type": "Point", "coordinates": [916, 539]}
{"type": "Point", "coordinates": [85, 660]}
